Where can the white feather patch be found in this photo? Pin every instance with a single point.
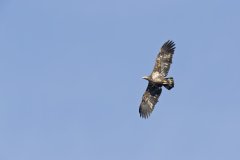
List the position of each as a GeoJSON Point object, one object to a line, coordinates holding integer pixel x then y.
{"type": "Point", "coordinates": [155, 75]}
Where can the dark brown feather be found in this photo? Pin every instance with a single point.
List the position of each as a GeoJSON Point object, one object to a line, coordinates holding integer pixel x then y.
{"type": "Point", "coordinates": [164, 58]}
{"type": "Point", "coordinates": [149, 99]}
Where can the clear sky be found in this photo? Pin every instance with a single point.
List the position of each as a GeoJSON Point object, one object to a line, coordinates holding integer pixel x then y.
{"type": "Point", "coordinates": [70, 83]}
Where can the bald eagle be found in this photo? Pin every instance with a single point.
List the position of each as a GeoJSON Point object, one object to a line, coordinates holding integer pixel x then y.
{"type": "Point", "coordinates": [157, 79]}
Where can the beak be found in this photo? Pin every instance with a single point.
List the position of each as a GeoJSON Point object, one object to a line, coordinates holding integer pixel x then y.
{"type": "Point", "coordinates": [144, 77]}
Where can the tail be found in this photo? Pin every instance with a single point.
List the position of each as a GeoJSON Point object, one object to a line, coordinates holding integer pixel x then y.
{"type": "Point", "coordinates": [170, 84]}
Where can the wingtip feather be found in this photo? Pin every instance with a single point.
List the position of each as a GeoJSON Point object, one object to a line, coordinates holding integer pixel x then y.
{"type": "Point", "coordinates": [144, 111]}
{"type": "Point", "coordinates": [169, 46]}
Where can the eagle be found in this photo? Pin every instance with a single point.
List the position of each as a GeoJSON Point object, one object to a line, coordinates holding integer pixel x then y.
{"type": "Point", "coordinates": [157, 79]}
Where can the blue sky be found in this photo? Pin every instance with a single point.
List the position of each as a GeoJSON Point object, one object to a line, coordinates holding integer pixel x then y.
{"type": "Point", "coordinates": [71, 82]}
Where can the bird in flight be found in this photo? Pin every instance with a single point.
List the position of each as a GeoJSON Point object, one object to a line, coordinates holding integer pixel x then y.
{"type": "Point", "coordinates": [157, 79]}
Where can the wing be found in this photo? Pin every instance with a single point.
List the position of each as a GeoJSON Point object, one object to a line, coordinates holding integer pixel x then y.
{"type": "Point", "coordinates": [164, 58]}
{"type": "Point", "coordinates": [149, 100]}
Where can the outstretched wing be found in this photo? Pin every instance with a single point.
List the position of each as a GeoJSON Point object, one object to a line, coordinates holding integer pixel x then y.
{"type": "Point", "coordinates": [149, 100]}
{"type": "Point", "coordinates": [164, 58]}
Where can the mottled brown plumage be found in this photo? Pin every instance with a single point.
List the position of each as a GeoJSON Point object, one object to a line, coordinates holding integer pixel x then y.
{"type": "Point", "coordinates": [157, 79]}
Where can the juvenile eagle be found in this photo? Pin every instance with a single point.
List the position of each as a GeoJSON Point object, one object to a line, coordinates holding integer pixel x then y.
{"type": "Point", "coordinates": [157, 79]}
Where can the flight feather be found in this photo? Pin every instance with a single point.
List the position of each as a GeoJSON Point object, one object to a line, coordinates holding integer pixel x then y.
{"type": "Point", "coordinates": [149, 99]}
{"type": "Point", "coordinates": [164, 58]}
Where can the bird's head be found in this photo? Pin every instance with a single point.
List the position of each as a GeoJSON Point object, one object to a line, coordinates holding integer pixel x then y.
{"type": "Point", "coordinates": [146, 77]}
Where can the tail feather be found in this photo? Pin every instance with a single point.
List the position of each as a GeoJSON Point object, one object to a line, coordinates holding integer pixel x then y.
{"type": "Point", "coordinates": [170, 84]}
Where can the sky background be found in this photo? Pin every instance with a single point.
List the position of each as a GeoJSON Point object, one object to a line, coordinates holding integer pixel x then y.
{"type": "Point", "coordinates": [70, 83]}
